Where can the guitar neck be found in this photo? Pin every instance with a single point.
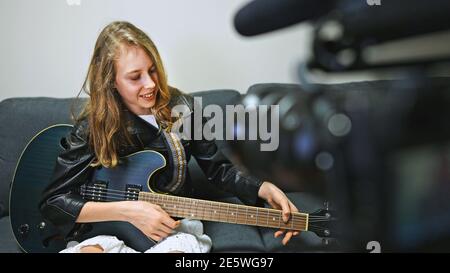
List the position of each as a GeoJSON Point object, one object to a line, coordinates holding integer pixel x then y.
{"type": "Point", "coordinates": [184, 207]}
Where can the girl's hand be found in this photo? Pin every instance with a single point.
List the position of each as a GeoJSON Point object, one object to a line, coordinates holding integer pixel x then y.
{"type": "Point", "coordinates": [149, 218]}
{"type": "Point", "coordinates": [278, 200]}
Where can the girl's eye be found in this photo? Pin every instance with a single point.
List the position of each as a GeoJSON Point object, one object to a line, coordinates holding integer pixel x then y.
{"type": "Point", "coordinates": [153, 70]}
{"type": "Point", "coordinates": [135, 78]}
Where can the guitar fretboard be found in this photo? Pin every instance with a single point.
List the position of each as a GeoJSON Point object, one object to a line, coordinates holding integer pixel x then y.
{"type": "Point", "coordinates": [225, 212]}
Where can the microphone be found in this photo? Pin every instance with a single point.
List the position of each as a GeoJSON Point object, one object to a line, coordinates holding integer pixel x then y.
{"type": "Point", "coordinates": [394, 19]}
{"type": "Point", "coordinates": [262, 16]}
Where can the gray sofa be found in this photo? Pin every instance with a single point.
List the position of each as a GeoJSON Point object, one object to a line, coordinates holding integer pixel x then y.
{"type": "Point", "coordinates": [22, 118]}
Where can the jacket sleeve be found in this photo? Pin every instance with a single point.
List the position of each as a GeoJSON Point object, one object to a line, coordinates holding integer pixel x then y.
{"type": "Point", "coordinates": [61, 203]}
{"type": "Point", "coordinates": [223, 174]}
{"type": "Point", "coordinates": [218, 169]}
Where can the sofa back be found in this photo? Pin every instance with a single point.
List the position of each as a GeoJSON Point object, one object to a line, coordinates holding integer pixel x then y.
{"type": "Point", "coordinates": [22, 118]}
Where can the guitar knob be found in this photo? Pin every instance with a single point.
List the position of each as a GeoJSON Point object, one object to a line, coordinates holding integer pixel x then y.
{"type": "Point", "coordinates": [326, 232]}
{"type": "Point", "coordinates": [41, 225]}
{"type": "Point", "coordinates": [23, 229]}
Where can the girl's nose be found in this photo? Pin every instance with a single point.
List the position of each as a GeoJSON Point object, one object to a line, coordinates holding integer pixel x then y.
{"type": "Point", "coordinates": [149, 82]}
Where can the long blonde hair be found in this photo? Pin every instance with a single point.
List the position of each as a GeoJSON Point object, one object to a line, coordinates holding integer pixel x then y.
{"type": "Point", "coordinates": [104, 110]}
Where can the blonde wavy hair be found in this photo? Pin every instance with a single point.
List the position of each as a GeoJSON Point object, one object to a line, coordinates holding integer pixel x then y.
{"type": "Point", "coordinates": [104, 109]}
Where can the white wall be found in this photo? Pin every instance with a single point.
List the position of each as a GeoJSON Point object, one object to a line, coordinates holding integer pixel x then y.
{"type": "Point", "coordinates": [46, 45]}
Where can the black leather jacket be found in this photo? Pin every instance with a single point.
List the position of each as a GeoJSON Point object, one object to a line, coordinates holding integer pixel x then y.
{"type": "Point", "coordinates": [61, 202]}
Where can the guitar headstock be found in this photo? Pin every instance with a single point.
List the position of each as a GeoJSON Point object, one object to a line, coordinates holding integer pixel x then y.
{"type": "Point", "coordinates": [322, 222]}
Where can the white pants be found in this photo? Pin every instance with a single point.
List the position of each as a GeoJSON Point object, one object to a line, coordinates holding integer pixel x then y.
{"type": "Point", "coordinates": [188, 238]}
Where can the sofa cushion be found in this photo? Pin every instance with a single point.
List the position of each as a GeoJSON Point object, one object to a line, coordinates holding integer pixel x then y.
{"type": "Point", "coordinates": [20, 120]}
{"type": "Point", "coordinates": [8, 243]}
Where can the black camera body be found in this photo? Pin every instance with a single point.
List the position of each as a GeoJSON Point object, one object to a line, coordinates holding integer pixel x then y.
{"type": "Point", "coordinates": [378, 150]}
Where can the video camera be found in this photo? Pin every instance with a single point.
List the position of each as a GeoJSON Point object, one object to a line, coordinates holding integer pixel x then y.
{"type": "Point", "coordinates": [379, 150]}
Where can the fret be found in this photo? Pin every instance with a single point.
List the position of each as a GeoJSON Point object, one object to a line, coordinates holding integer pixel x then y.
{"type": "Point", "coordinates": [292, 223]}
{"type": "Point", "coordinates": [166, 201]}
{"type": "Point", "coordinates": [193, 210]}
{"type": "Point", "coordinates": [233, 213]}
{"type": "Point", "coordinates": [189, 211]}
{"type": "Point", "coordinates": [279, 220]}
{"type": "Point", "coordinates": [246, 215]}
{"type": "Point", "coordinates": [208, 210]}
{"type": "Point", "coordinates": [196, 208]}
{"type": "Point", "coordinates": [181, 207]}
{"type": "Point", "coordinates": [257, 211]}
{"type": "Point", "coordinates": [230, 213]}
{"type": "Point", "coordinates": [203, 206]}
{"type": "Point", "coordinates": [163, 202]}
{"type": "Point", "coordinates": [270, 218]}
{"type": "Point", "coordinates": [219, 212]}
{"type": "Point", "coordinates": [184, 207]}
{"type": "Point", "coordinates": [208, 207]}
{"type": "Point", "coordinates": [214, 211]}
{"type": "Point", "coordinates": [175, 206]}
{"type": "Point", "coordinates": [252, 217]}
{"type": "Point", "coordinates": [223, 212]}
{"type": "Point", "coordinates": [156, 200]}
{"type": "Point", "coordinates": [171, 205]}
{"type": "Point", "coordinates": [207, 217]}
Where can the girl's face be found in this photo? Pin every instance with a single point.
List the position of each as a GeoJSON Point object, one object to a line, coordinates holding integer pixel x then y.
{"type": "Point", "coordinates": [136, 79]}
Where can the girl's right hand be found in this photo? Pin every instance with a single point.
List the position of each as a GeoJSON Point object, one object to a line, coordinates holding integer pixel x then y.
{"type": "Point", "coordinates": [149, 218]}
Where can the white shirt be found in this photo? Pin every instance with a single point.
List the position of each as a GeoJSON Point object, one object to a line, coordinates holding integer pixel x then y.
{"type": "Point", "coordinates": [150, 119]}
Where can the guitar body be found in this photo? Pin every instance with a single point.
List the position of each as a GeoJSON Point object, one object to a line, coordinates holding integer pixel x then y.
{"type": "Point", "coordinates": [34, 173]}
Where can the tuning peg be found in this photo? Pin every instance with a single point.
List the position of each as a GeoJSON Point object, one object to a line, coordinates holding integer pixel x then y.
{"type": "Point", "coordinates": [326, 205]}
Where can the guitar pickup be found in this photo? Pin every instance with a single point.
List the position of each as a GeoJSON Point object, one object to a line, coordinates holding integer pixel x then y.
{"type": "Point", "coordinates": [95, 191]}
{"type": "Point", "coordinates": [132, 191]}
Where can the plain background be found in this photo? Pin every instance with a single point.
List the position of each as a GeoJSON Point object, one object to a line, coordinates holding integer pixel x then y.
{"type": "Point", "coordinates": [46, 45]}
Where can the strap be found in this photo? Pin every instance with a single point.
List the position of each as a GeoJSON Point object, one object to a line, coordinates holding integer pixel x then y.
{"type": "Point", "coordinates": [179, 161]}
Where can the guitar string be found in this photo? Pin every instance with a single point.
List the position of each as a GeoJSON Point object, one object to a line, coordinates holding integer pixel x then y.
{"type": "Point", "coordinates": [263, 217]}
{"type": "Point", "coordinates": [239, 216]}
{"type": "Point", "coordinates": [310, 225]}
{"type": "Point", "coordinates": [135, 195]}
{"type": "Point", "coordinates": [273, 226]}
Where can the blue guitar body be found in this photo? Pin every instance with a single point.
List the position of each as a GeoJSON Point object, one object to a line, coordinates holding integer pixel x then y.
{"type": "Point", "coordinates": [34, 173]}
